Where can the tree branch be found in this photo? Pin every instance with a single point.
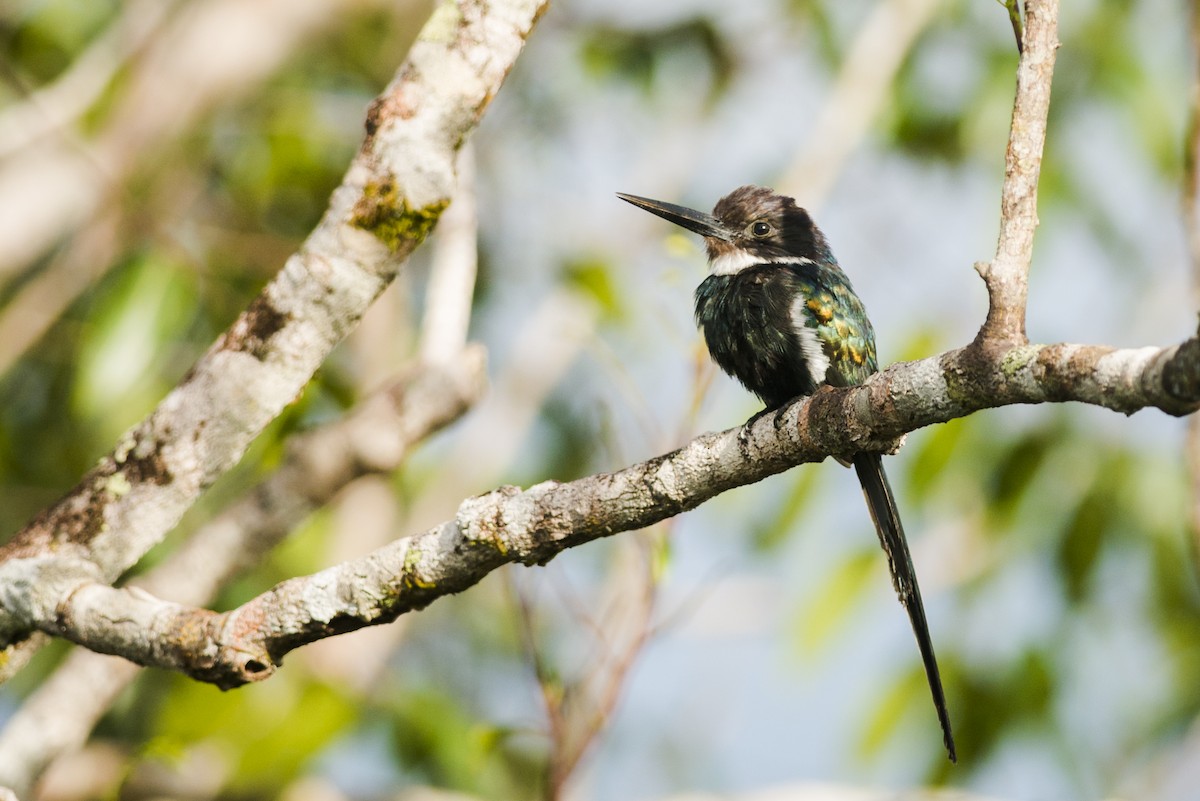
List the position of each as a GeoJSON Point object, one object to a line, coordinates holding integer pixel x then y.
{"type": "Point", "coordinates": [372, 438]}
{"type": "Point", "coordinates": [534, 525]}
{"type": "Point", "coordinates": [1007, 275]}
{"type": "Point", "coordinates": [452, 275]}
{"type": "Point", "coordinates": [391, 197]}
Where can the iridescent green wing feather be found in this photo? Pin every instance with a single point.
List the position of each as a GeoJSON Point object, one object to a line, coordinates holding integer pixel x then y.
{"type": "Point", "coordinates": [842, 326]}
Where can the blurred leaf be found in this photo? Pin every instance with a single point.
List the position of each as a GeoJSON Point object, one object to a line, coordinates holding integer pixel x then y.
{"type": "Point", "coordinates": [1181, 636]}
{"type": "Point", "coordinates": [987, 111]}
{"type": "Point", "coordinates": [637, 55]}
{"type": "Point", "coordinates": [1016, 469]}
{"type": "Point", "coordinates": [570, 450]}
{"type": "Point", "coordinates": [125, 361]}
{"type": "Point", "coordinates": [1080, 544]}
{"type": "Point", "coordinates": [767, 537]}
{"type": "Point", "coordinates": [279, 160]}
{"type": "Point", "coordinates": [833, 599]}
{"type": "Point", "coordinates": [987, 705]}
{"type": "Point", "coordinates": [901, 698]}
{"type": "Point", "coordinates": [438, 740]}
{"type": "Point", "coordinates": [294, 737]}
{"type": "Point", "coordinates": [45, 40]}
{"type": "Point", "coordinates": [822, 28]}
{"type": "Point", "coordinates": [1107, 58]}
{"type": "Point", "coordinates": [935, 449]}
{"type": "Point", "coordinates": [661, 553]}
{"type": "Point", "coordinates": [1109, 67]}
{"type": "Point", "coordinates": [592, 277]}
{"type": "Point", "coordinates": [924, 133]}
{"type": "Point", "coordinates": [1094, 516]}
{"type": "Point", "coordinates": [945, 83]}
{"type": "Point", "coordinates": [918, 344]}
{"type": "Point", "coordinates": [293, 719]}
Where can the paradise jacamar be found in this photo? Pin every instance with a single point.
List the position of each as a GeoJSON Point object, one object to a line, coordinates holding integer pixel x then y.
{"type": "Point", "coordinates": [779, 315]}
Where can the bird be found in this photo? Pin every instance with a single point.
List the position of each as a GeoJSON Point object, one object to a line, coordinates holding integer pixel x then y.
{"type": "Point", "coordinates": [780, 316]}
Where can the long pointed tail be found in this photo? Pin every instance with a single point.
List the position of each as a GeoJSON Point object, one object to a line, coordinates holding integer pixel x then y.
{"type": "Point", "coordinates": [882, 504]}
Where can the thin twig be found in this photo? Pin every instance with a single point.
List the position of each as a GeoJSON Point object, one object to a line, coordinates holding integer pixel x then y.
{"type": "Point", "coordinates": [1014, 18]}
{"type": "Point", "coordinates": [602, 687]}
{"type": "Point", "coordinates": [578, 709]}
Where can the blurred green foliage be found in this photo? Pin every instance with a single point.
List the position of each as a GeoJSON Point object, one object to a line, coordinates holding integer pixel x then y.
{"type": "Point", "coordinates": [449, 746]}
{"type": "Point", "coordinates": [637, 55]}
{"type": "Point", "coordinates": [292, 720]}
{"type": "Point", "coordinates": [42, 39]}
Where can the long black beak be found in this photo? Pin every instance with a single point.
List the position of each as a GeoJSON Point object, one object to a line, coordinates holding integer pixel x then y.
{"type": "Point", "coordinates": [698, 221]}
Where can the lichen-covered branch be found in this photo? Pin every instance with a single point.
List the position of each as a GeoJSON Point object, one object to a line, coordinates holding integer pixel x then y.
{"type": "Point", "coordinates": [374, 437]}
{"type": "Point", "coordinates": [392, 195]}
{"type": "Point", "coordinates": [534, 525]}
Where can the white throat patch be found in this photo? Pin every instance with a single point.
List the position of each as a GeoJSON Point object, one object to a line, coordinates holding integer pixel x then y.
{"type": "Point", "coordinates": [735, 261]}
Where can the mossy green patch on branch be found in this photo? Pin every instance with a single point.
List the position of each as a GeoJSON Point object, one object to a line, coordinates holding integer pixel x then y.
{"type": "Point", "coordinates": [384, 212]}
{"type": "Point", "coordinates": [960, 389]}
{"type": "Point", "coordinates": [411, 572]}
{"type": "Point", "coordinates": [1017, 359]}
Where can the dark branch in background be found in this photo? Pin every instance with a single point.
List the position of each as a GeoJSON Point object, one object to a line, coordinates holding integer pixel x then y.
{"type": "Point", "coordinates": [578, 708]}
{"type": "Point", "coordinates": [392, 195]}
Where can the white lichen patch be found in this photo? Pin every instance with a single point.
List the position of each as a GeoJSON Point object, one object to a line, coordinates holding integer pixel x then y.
{"type": "Point", "coordinates": [1126, 366]}
{"type": "Point", "coordinates": [320, 597]}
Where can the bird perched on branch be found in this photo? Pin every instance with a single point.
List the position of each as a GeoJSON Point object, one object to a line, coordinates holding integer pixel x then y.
{"type": "Point", "coordinates": [779, 315]}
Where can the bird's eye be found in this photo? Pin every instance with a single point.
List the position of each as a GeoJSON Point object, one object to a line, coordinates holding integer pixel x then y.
{"type": "Point", "coordinates": [760, 228]}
